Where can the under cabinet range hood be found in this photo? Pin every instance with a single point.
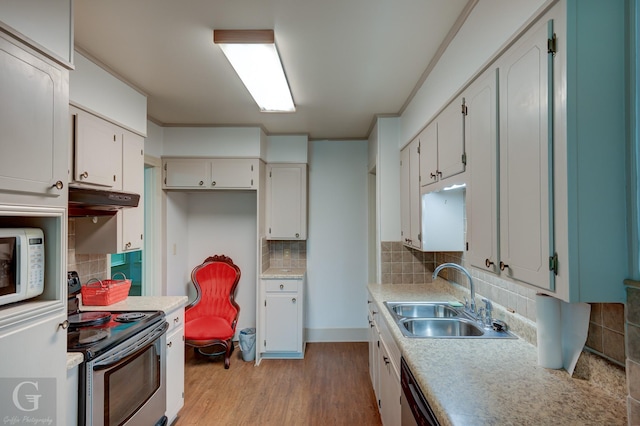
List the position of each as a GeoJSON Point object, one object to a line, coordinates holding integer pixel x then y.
{"type": "Point", "coordinates": [99, 202]}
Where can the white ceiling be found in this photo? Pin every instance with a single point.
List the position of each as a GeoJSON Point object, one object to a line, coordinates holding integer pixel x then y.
{"type": "Point", "coordinates": [346, 60]}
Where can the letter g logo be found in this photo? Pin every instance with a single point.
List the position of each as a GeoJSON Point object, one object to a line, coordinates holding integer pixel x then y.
{"type": "Point", "coordinates": [33, 399]}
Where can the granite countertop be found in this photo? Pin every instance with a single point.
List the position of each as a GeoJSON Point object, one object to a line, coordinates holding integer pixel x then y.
{"type": "Point", "coordinates": [141, 303]}
{"type": "Point", "coordinates": [283, 273]}
{"type": "Point", "coordinates": [492, 381]}
{"type": "Point", "coordinates": [73, 359]}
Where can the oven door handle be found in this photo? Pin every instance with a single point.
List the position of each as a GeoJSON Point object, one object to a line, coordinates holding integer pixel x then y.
{"type": "Point", "coordinates": [138, 345]}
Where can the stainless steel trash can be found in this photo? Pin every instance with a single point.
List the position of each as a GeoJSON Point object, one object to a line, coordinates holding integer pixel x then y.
{"type": "Point", "coordinates": [248, 343]}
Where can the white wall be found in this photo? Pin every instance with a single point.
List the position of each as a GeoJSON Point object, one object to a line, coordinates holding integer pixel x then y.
{"type": "Point", "coordinates": [488, 27]}
{"type": "Point", "coordinates": [287, 149]}
{"type": "Point", "coordinates": [205, 223]}
{"type": "Point", "coordinates": [96, 90]}
{"type": "Point", "coordinates": [154, 140]}
{"type": "Point", "coordinates": [337, 243]}
{"type": "Point", "coordinates": [212, 141]}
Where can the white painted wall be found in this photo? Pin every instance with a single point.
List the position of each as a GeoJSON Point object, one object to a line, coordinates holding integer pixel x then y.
{"type": "Point", "coordinates": [488, 27]}
{"type": "Point", "coordinates": [388, 175]}
{"type": "Point", "coordinates": [337, 243]}
{"type": "Point", "coordinates": [154, 140]}
{"type": "Point", "coordinates": [46, 22]}
{"type": "Point", "coordinates": [96, 90]}
{"type": "Point", "coordinates": [212, 141]}
{"type": "Point", "coordinates": [205, 223]}
{"type": "Point", "coordinates": [287, 149]}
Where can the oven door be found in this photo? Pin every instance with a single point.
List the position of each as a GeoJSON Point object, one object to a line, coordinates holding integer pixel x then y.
{"type": "Point", "coordinates": [126, 385]}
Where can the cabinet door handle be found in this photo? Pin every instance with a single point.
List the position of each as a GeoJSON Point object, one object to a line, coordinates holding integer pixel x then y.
{"type": "Point", "coordinates": [84, 175]}
{"type": "Point", "coordinates": [201, 183]}
{"type": "Point", "coordinates": [386, 360]}
{"type": "Point", "coordinates": [297, 235]}
{"type": "Point", "coordinates": [439, 174]}
{"type": "Point", "coordinates": [176, 320]}
{"type": "Point", "coordinates": [128, 245]}
{"type": "Point", "coordinates": [170, 344]}
{"type": "Point", "coordinates": [58, 185]}
{"type": "Point", "coordinates": [503, 266]}
{"type": "Point", "coordinates": [64, 324]}
{"type": "Point", "coordinates": [488, 263]}
{"type": "Point", "coordinates": [433, 175]}
{"type": "Point", "coordinates": [293, 300]}
{"type": "Point", "coordinates": [281, 286]}
{"type": "Point", "coordinates": [213, 183]}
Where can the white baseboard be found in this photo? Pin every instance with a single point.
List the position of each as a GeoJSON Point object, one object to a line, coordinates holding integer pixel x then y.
{"type": "Point", "coordinates": [337, 334]}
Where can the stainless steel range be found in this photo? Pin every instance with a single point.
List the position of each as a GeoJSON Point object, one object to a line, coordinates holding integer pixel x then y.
{"type": "Point", "coordinates": [122, 379]}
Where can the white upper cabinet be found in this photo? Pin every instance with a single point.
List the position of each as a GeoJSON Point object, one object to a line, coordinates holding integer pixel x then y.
{"type": "Point", "coordinates": [133, 181]}
{"type": "Point", "coordinates": [554, 177]}
{"type": "Point", "coordinates": [97, 147]}
{"type": "Point", "coordinates": [34, 96]}
{"type": "Point", "coordinates": [442, 146]}
{"type": "Point", "coordinates": [482, 184]}
{"type": "Point", "coordinates": [410, 194]}
{"type": "Point", "coordinates": [210, 173]}
{"type": "Point", "coordinates": [524, 160]}
{"type": "Point", "coordinates": [286, 201]}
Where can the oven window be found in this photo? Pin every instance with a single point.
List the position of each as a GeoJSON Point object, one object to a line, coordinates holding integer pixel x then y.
{"type": "Point", "coordinates": [130, 385]}
{"type": "Point", "coordinates": [8, 266]}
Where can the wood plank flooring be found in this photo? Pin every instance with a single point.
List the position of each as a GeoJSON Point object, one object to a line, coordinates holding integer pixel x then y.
{"type": "Point", "coordinates": [330, 386]}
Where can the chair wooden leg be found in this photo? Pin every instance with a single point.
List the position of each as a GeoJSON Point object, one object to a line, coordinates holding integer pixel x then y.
{"type": "Point", "coordinates": [227, 355]}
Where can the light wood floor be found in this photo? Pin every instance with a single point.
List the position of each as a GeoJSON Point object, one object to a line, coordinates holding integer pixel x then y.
{"type": "Point", "coordinates": [330, 386]}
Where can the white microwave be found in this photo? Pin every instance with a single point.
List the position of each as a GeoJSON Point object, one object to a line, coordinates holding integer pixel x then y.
{"type": "Point", "coordinates": [21, 264]}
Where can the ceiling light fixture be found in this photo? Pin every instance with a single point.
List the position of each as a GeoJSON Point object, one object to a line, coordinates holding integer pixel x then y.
{"type": "Point", "coordinates": [254, 57]}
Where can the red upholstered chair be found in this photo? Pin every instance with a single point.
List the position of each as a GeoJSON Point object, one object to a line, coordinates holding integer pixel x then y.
{"type": "Point", "coordinates": [210, 320]}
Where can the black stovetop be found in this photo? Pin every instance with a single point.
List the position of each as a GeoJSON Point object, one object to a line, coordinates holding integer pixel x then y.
{"type": "Point", "coordinates": [94, 339]}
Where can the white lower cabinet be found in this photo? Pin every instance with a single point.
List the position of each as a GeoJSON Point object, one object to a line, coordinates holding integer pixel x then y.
{"type": "Point", "coordinates": [72, 395]}
{"type": "Point", "coordinates": [175, 363]}
{"type": "Point", "coordinates": [282, 313]}
{"type": "Point", "coordinates": [34, 360]}
{"type": "Point", "coordinates": [384, 367]}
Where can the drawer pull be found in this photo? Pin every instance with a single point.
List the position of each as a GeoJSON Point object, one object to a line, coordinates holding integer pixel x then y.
{"type": "Point", "coordinates": [281, 286]}
{"type": "Point", "coordinates": [293, 300]}
{"type": "Point", "coordinates": [176, 320]}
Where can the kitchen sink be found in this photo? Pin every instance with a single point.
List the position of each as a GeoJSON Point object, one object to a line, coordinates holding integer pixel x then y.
{"type": "Point", "coordinates": [439, 327]}
{"type": "Point", "coordinates": [421, 310]}
{"type": "Point", "coordinates": [441, 320]}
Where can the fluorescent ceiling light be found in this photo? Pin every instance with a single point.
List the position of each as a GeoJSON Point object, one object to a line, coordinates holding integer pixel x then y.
{"type": "Point", "coordinates": [254, 56]}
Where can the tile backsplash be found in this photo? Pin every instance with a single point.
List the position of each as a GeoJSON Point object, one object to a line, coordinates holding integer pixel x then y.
{"type": "Point", "coordinates": [401, 265]}
{"type": "Point", "coordinates": [87, 265]}
{"type": "Point", "coordinates": [284, 254]}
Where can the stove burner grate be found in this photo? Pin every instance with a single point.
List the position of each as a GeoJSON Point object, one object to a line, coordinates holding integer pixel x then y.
{"type": "Point", "coordinates": [129, 317]}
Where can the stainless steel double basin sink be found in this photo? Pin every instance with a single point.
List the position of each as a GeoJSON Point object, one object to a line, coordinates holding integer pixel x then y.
{"type": "Point", "coordinates": [440, 320]}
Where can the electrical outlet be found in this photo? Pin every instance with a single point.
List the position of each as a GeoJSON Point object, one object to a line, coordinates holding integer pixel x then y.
{"type": "Point", "coordinates": [287, 253]}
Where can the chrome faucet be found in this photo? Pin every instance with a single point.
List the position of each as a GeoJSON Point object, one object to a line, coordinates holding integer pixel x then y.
{"type": "Point", "coordinates": [469, 307]}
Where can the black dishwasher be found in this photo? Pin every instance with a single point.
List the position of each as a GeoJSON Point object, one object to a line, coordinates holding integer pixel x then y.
{"type": "Point", "coordinates": [415, 409]}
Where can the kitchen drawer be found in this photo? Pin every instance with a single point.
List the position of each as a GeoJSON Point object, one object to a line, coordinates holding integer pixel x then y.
{"type": "Point", "coordinates": [282, 286]}
{"type": "Point", "coordinates": [175, 319]}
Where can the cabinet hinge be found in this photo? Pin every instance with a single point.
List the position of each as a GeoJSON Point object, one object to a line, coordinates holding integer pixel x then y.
{"type": "Point", "coordinates": [464, 158]}
{"type": "Point", "coordinates": [251, 182]}
{"type": "Point", "coordinates": [420, 237]}
{"type": "Point", "coordinates": [378, 343]}
{"type": "Point", "coordinates": [418, 149]}
{"type": "Point", "coordinates": [165, 181]}
{"type": "Point", "coordinates": [552, 45]}
{"type": "Point", "coordinates": [269, 174]}
{"type": "Point", "coordinates": [553, 263]}
{"type": "Point", "coordinates": [114, 178]}
{"type": "Point", "coordinates": [265, 343]}
{"type": "Point", "coordinates": [464, 109]}
{"type": "Point", "coordinates": [165, 167]}
{"type": "Point", "coordinates": [467, 245]}
{"type": "Point", "coordinates": [269, 230]}
{"type": "Point", "coordinates": [252, 167]}
{"type": "Point", "coordinates": [265, 303]}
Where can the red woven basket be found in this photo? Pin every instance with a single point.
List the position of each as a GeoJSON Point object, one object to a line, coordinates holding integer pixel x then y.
{"type": "Point", "coordinates": [105, 292]}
